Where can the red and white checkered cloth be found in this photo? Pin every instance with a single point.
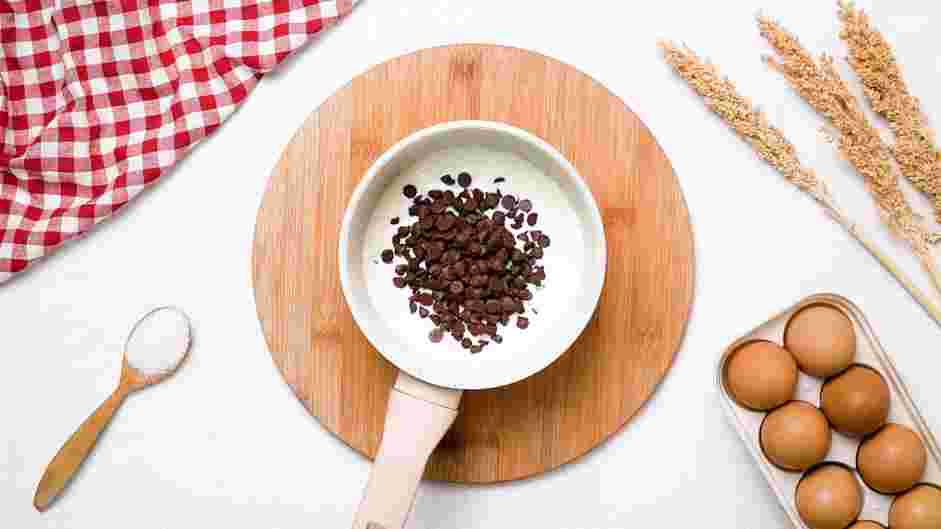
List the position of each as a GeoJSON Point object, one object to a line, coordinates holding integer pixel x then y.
{"type": "Point", "coordinates": [98, 98]}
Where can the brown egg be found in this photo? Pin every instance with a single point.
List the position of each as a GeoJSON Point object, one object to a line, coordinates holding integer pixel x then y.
{"type": "Point", "coordinates": [829, 498]}
{"type": "Point", "coordinates": [856, 402]}
{"type": "Point", "coordinates": [866, 524]}
{"type": "Point", "coordinates": [919, 508]}
{"type": "Point", "coordinates": [761, 375]}
{"type": "Point", "coordinates": [795, 436]}
{"type": "Point", "coordinates": [822, 340]}
{"type": "Point", "coordinates": [892, 460]}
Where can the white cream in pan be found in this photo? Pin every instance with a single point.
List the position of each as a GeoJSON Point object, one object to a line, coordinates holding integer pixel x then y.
{"type": "Point", "coordinates": [523, 180]}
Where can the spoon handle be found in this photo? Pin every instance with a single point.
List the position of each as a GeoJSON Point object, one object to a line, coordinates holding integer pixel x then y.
{"type": "Point", "coordinates": [70, 457]}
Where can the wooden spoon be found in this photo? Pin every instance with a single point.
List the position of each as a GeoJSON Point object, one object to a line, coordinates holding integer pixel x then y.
{"type": "Point", "coordinates": [69, 458]}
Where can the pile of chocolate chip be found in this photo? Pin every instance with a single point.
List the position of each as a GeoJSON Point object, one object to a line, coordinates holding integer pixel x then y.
{"type": "Point", "coordinates": [461, 261]}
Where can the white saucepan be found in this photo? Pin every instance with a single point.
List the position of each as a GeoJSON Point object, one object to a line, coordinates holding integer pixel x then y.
{"type": "Point", "coordinates": [425, 398]}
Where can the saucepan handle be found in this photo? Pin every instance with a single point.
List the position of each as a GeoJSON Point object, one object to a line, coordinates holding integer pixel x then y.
{"type": "Point", "coordinates": [417, 418]}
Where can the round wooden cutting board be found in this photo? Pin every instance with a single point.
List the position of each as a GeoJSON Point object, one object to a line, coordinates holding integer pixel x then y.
{"type": "Point", "coordinates": [597, 386]}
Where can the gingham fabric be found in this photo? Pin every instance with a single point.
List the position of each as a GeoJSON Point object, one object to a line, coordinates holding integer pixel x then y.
{"type": "Point", "coordinates": [98, 98]}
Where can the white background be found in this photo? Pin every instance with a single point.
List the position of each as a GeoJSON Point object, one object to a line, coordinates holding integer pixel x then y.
{"type": "Point", "coordinates": [226, 443]}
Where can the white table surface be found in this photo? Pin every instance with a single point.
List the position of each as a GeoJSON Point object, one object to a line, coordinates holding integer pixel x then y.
{"type": "Point", "coordinates": [226, 443]}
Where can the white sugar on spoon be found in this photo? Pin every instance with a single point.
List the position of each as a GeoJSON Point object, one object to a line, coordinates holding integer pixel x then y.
{"type": "Point", "coordinates": [156, 346]}
{"type": "Point", "coordinates": [158, 342]}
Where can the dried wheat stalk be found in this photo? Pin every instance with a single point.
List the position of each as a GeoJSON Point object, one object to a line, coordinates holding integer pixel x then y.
{"type": "Point", "coordinates": [872, 59]}
{"type": "Point", "coordinates": [722, 98]}
{"type": "Point", "coordinates": [821, 86]}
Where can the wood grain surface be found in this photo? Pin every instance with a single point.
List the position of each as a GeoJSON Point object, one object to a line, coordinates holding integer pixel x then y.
{"type": "Point", "coordinates": [597, 386]}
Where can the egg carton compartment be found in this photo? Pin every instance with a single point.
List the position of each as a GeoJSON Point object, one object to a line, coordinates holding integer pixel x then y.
{"type": "Point", "coordinates": [869, 352]}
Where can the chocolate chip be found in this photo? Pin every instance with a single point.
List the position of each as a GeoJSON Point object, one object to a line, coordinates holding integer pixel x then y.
{"type": "Point", "coordinates": [508, 304]}
{"type": "Point", "coordinates": [538, 275]}
{"type": "Point", "coordinates": [395, 220]}
{"type": "Point", "coordinates": [499, 180]}
{"type": "Point", "coordinates": [387, 256]}
{"type": "Point", "coordinates": [493, 306]}
{"type": "Point", "coordinates": [446, 222]}
{"type": "Point", "coordinates": [448, 272]}
{"type": "Point", "coordinates": [466, 343]}
{"type": "Point", "coordinates": [463, 268]}
{"type": "Point", "coordinates": [507, 241]}
{"type": "Point", "coordinates": [434, 253]}
{"type": "Point", "coordinates": [425, 299]}
{"type": "Point", "coordinates": [409, 191]}
{"type": "Point", "coordinates": [497, 264]}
